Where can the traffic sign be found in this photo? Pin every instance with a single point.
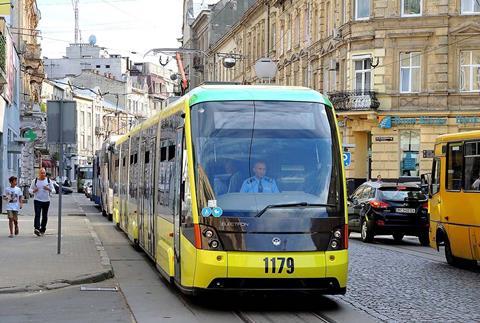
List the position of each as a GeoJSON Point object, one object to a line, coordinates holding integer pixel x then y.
{"type": "Point", "coordinates": [347, 159]}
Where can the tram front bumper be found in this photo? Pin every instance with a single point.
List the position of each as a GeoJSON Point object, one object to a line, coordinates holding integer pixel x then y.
{"type": "Point", "coordinates": [243, 271]}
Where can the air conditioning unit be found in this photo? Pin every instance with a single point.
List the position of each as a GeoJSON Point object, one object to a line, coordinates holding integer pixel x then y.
{"type": "Point", "coordinates": [337, 34]}
{"type": "Point", "coordinates": [333, 65]}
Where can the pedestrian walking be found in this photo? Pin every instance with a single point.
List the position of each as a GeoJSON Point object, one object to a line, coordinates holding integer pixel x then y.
{"type": "Point", "coordinates": [41, 188]}
{"type": "Point", "coordinates": [14, 196]}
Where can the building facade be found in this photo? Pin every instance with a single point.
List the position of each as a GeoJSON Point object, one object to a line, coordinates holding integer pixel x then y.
{"type": "Point", "coordinates": [23, 121]}
{"type": "Point", "coordinates": [9, 106]}
{"type": "Point", "coordinates": [399, 73]}
{"type": "Point", "coordinates": [83, 56]}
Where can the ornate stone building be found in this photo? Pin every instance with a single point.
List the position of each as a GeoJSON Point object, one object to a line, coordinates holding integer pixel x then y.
{"type": "Point", "coordinates": [399, 72]}
{"type": "Point", "coordinates": [33, 118]}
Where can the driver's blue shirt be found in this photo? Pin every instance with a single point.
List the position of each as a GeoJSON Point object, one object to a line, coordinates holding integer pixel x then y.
{"type": "Point", "coordinates": [256, 185]}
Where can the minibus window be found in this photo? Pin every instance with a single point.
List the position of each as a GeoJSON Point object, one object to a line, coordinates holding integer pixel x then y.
{"type": "Point", "coordinates": [454, 166]}
{"type": "Point", "coordinates": [472, 166]}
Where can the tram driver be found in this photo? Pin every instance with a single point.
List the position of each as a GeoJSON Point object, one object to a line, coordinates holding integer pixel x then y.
{"type": "Point", "coordinates": [259, 183]}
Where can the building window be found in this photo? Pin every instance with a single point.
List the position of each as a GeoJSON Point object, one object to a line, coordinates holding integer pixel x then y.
{"type": "Point", "coordinates": [98, 66]}
{"type": "Point", "coordinates": [362, 9]}
{"type": "Point", "coordinates": [409, 149]}
{"type": "Point", "coordinates": [89, 142]}
{"type": "Point", "coordinates": [306, 28]}
{"type": "Point", "coordinates": [273, 39]}
{"type": "Point", "coordinates": [410, 72]}
{"type": "Point", "coordinates": [363, 75]}
{"type": "Point", "coordinates": [289, 34]}
{"type": "Point", "coordinates": [470, 7]}
{"type": "Point", "coordinates": [282, 44]}
{"type": "Point", "coordinates": [411, 8]}
{"type": "Point", "coordinates": [82, 119]}
{"type": "Point", "coordinates": [470, 71]}
{"type": "Point", "coordinates": [107, 66]}
{"type": "Point", "coordinates": [297, 30]}
{"type": "Point", "coordinates": [89, 120]}
{"type": "Point", "coordinates": [316, 26]}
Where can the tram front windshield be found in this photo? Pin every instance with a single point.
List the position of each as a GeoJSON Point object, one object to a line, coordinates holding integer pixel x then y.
{"type": "Point", "coordinates": [265, 158]}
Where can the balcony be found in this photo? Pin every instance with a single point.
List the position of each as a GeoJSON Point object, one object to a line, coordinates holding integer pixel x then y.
{"type": "Point", "coordinates": [354, 100]}
{"type": "Point", "coordinates": [3, 62]}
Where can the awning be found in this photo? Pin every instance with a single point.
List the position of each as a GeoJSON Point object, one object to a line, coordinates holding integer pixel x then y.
{"type": "Point", "coordinates": [48, 163]}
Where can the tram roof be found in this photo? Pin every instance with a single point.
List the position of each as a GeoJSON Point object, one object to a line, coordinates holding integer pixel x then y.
{"type": "Point", "coordinates": [468, 135]}
{"type": "Point", "coordinates": [209, 93]}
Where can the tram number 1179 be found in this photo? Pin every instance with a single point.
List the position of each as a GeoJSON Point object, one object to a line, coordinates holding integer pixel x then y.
{"type": "Point", "coordinates": [276, 265]}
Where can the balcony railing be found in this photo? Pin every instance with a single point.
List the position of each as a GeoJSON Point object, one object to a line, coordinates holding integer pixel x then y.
{"type": "Point", "coordinates": [3, 53]}
{"type": "Point", "coordinates": [354, 100]}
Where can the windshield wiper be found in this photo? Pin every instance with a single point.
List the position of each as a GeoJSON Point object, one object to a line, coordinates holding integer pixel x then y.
{"type": "Point", "coordinates": [273, 206]}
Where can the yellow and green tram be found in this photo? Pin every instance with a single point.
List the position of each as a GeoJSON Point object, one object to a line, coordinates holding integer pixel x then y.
{"type": "Point", "coordinates": [238, 188]}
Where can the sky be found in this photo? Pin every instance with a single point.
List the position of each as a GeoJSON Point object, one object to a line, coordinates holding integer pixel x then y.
{"type": "Point", "coordinates": [122, 26]}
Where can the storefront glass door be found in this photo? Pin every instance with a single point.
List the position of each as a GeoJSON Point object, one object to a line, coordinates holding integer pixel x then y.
{"type": "Point", "coordinates": [409, 150]}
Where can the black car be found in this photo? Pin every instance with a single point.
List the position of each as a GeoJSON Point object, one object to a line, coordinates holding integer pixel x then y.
{"type": "Point", "coordinates": [389, 208]}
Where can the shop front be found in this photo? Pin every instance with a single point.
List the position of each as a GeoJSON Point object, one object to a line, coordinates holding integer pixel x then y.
{"type": "Point", "coordinates": [397, 145]}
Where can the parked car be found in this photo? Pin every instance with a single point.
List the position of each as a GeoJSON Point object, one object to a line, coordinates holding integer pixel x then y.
{"type": "Point", "coordinates": [65, 190]}
{"type": "Point", "coordinates": [389, 209]}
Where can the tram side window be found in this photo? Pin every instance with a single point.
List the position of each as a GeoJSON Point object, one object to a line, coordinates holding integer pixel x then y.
{"type": "Point", "coordinates": [115, 182]}
{"type": "Point", "coordinates": [454, 166]}
{"type": "Point", "coordinates": [472, 166]}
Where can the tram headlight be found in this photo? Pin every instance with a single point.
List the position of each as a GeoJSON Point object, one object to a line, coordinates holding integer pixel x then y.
{"type": "Point", "coordinates": [337, 234]}
{"type": "Point", "coordinates": [208, 233]}
{"type": "Point", "coordinates": [213, 244]}
{"type": "Point", "coordinates": [334, 244]}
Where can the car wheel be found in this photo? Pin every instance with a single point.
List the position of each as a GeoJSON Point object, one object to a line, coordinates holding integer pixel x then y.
{"type": "Point", "coordinates": [398, 237]}
{"type": "Point", "coordinates": [366, 231]}
{"type": "Point", "coordinates": [424, 239]}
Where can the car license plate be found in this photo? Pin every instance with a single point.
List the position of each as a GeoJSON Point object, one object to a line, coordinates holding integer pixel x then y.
{"type": "Point", "coordinates": [405, 210]}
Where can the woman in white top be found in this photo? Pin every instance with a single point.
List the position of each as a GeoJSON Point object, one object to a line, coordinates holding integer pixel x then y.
{"type": "Point", "coordinates": [41, 188]}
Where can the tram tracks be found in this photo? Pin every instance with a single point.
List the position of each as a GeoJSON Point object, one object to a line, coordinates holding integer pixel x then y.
{"type": "Point", "coordinates": [264, 317]}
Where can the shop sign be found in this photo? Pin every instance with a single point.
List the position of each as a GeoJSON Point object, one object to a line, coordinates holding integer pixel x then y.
{"type": "Point", "coordinates": [383, 138]}
{"type": "Point", "coordinates": [388, 121]}
{"type": "Point", "coordinates": [428, 154]}
{"type": "Point", "coordinates": [467, 120]}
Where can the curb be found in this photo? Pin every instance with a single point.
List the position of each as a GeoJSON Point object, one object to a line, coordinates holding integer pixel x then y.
{"type": "Point", "coordinates": [105, 274]}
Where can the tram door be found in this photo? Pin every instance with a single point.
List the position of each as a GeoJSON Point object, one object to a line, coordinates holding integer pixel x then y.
{"type": "Point", "coordinates": [147, 192]}
{"type": "Point", "coordinates": [142, 192]}
{"type": "Point", "coordinates": [177, 209]}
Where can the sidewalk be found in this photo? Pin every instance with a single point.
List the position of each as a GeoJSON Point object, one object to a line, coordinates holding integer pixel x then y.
{"type": "Point", "coordinates": [31, 263]}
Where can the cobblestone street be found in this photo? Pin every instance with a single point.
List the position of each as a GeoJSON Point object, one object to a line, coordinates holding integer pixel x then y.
{"type": "Point", "coordinates": [410, 283]}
